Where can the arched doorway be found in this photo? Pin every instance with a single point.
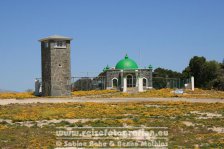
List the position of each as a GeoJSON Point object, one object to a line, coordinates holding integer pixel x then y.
{"type": "Point", "coordinates": [144, 82]}
{"type": "Point", "coordinates": [130, 81]}
{"type": "Point", "coordinates": [114, 82]}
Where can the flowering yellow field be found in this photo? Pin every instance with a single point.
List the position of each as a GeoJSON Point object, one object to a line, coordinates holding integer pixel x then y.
{"type": "Point", "coordinates": [92, 92]}
{"type": "Point", "coordinates": [17, 95]}
{"type": "Point", "coordinates": [168, 93]}
{"type": "Point", "coordinates": [49, 111]}
{"type": "Point", "coordinates": [162, 93]}
{"type": "Point", "coordinates": [23, 95]}
{"type": "Point", "coordinates": [189, 124]}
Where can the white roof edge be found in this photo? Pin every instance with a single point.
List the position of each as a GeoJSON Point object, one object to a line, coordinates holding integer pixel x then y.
{"type": "Point", "coordinates": [55, 37]}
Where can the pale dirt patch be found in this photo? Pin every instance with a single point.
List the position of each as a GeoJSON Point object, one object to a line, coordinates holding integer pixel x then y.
{"type": "Point", "coordinates": [128, 114]}
{"type": "Point", "coordinates": [154, 106]}
{"type": "Point", "coordinates": [188, 123]}
{"type": "Point", "coordinates": [217, 129]}
{"type": "Point", "coordinates": [206, 115]}
{"type": "Point", "coordinates": [103, 100]}
{"type": "Point", "coordinates": [42, 123]}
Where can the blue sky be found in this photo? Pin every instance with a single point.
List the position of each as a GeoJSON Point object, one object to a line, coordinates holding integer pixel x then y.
{"type": "Point", "coordinates": [158, 32]}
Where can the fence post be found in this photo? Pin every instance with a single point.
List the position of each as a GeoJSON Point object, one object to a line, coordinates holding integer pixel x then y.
{"type": "Point", "coordinates": [37, 87]}
{"type": "Point", "coordinates": [124, 84]}
{"type": "Point", "coordinates": [140, 85]}
{"type": "Point", "coordinates": [192, 83]}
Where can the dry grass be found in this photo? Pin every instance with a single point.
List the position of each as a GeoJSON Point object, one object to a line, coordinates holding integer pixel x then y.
{"type": "Point", "coordinates": [17, 95]}
{"type": "Point", "coordinates": [102, 110]}
{"type": "Point", "coordinates": [162, 93]}
{"type": "Point", "coordinates": [150, 114]}
{"type": "Point", "coordinates": [199, 93]}
{"type": "Point", "coordinates": [168, 93]}
{"type": "Point", "coordinates": [92, 92]}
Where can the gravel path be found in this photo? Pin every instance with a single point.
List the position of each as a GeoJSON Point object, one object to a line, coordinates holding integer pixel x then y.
{"type": "Point", "coordinates": [102, 100]}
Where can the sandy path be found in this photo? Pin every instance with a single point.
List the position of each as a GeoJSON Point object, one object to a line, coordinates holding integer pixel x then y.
{"type": "Point", "coordinates": [102, 100]}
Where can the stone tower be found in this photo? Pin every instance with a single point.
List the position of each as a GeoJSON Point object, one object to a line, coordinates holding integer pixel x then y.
{"type": "Point", "coordinates": [56, 66]}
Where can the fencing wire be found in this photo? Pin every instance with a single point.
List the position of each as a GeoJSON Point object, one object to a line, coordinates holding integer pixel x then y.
{"type": "Point", "coordinates": [161, 82]}
{"type": "Point", "coordinates": [88, 83]}
{"type": "Point", "coordinates": [99, 83]}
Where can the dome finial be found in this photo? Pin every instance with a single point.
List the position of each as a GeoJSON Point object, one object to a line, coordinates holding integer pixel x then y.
{"type": "Point", "coordinates": [150, 67]}
{"type": "Point", "coordinates": [107, 67]}
{"type": "Point", "coordinates": [126, 56]}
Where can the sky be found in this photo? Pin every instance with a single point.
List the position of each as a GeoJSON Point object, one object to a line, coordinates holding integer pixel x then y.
{"type": "Point", "coordinates": [163, 33]}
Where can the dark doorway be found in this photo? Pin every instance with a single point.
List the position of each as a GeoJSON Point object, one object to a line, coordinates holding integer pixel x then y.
{"type": "Point", "coordinates": [115, 83]}
{"type": "Point", "coordinates": [130, 81]}
{"type": "Point", "coordinates": [144, 82]}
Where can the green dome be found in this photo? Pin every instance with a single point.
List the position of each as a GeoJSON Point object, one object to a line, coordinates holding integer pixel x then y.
{"type": "Point", "coordinates": [126, 63]}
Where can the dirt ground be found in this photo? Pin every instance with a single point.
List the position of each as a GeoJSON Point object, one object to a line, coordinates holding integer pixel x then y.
{"type": "Point", "coordinates": [102, 100]}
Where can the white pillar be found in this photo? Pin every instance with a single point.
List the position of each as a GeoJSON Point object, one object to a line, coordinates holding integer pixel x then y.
{"type": "Point", "coordinates": [136, 76]}
{"type": "Point", "coordinates": [192, 83]}
{"type": "Point", "coordinates": [40, 90]}
{"type": "Point", "coordinates": [140, 84]}
{"type": "Point", "coordinates": [122, 76]}
{"type": "Point", "coordinates": [124, 84]}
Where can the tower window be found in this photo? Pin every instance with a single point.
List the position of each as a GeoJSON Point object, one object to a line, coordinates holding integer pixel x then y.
{"type": "Point", "coordinates": [60, 44]}
{"type": "Point", "coordinates": [46, 44]}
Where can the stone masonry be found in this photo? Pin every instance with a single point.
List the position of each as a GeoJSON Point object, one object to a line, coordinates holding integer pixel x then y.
{"type": "Point", "coordinates": [56, 66]}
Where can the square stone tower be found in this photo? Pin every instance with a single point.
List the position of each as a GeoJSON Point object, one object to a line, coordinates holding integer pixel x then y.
{"type": "Point", "coordinates": [56, 66]}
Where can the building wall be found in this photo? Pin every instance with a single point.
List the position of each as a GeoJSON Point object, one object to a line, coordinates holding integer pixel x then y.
{"type": "Point", "coordinates": [46, 71]}
{"type": "Point", "coordinates": [144, 73]}
{"type": "Point", "coordinates": [110, 74]}
{"type": "Point", "coordinates": [56, 70]}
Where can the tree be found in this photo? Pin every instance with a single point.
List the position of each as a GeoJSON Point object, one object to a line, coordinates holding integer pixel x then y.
{"type": "Point", "coordinates": [186, 72]}
{"type": "Point", "coordinates": [161, 72]}
{"type": "Point", "coordinates": [207, 74]}
{"type": "Point", "coordinates": [204, 72]}
{"type": "Point", "coordinates": [196, 67]}
{"type": "Point", "coordinates": [210, 72]}
{"type": "Point", "coordinates": [218, 83]}
{"type": "Point", "coordinates": [162, 77]}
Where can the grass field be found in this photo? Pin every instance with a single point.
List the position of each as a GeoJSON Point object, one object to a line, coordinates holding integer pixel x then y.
{"type": "Point", "coordinates": [190, 125]}
{"type": "Point", "coordinates": [169, 93]}
{"type": "Point", "coordinates": [15, 95]}
{"type": "Point", "coordinates": [162, 93]}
